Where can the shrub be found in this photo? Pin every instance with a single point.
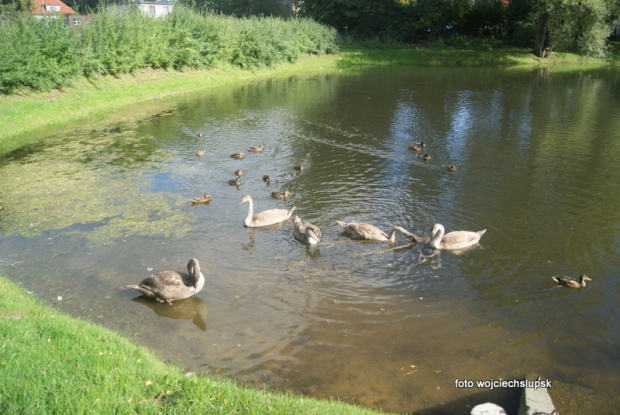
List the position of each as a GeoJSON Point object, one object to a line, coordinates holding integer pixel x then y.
{"type": "Point", "coordinates": [44, 54]}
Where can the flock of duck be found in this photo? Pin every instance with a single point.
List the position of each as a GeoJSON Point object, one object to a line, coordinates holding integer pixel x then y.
{"type": "Point", "coordinates": [168, 286]}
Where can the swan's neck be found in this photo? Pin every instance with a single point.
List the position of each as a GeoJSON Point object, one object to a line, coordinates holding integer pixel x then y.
{"type": "Point", "coordinates": [392, 237]}
{"type": "Point", "coordinates": [437, 237]}
{"type": "Point", "coordinates": [248, 219]}
{"type": "Point", "coordinates": [194, 271]}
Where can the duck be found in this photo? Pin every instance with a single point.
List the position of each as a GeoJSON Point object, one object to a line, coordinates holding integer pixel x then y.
{"type": "Point", "coordinates": [299, 167]}
{"type": "Point", "coordinates": [280, 195]}
{"type": "Point", "coordinates": [239, 172]}
{"type": "Point", "coordinates": [200, 152]}
{"type": "Point", "coordinates": [168, 286]}
{"type": "Point", "coordinates": [305, 232]}
{"type": "Point", "coordinates": [267, 179]}
{"type": "Point", "coordinates": [199, 135]}
{"type": "Point", "coordinates": [368, 232]}
{"type": "Point", "coordinates": [258, 149]}
{"type": "Point", "coordinates": [202, 200]}
{"type": "Point", "coordinates": [455, 239]}
{"type": "Point", "coordinates": [424, 157]}
{"type": "Point", "coordinates": [235, 182]}
{"type": "Point", "coordinates": [449, 167]}
{"type": "Point", "coordinates": [238, 156]}
{"type": "Point", "coordinates": [572, 282]}
{"type": "Point", "coordinates": [417, 146]}
{"type": "Point", "coordinates": [266, 217]}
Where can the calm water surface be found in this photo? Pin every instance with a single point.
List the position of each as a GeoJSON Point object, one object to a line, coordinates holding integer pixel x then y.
{"type": "Point", "coordinates": [84, 214]}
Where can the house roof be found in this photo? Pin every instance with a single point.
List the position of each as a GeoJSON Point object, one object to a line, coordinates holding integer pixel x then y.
{"type": "Point", "coordinates": [52, 7]}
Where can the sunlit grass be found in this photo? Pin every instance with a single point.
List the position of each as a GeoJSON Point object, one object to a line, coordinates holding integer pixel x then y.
{"type": "Point", "coordinates": [51, 363]}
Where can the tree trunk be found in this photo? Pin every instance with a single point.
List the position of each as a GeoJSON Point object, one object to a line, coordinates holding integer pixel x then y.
{"type": "Point", "coordinates": [541, 48]}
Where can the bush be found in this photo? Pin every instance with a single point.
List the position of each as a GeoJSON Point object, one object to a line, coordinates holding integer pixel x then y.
{"type": "Point", "coordinates": [44, 54]}
{"type": "Point", "coordinates": [37, 54]}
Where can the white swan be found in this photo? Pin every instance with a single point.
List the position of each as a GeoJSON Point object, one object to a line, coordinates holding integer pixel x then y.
{"type": "Point", "coordinates": [266, 217]}
{"type": "Point", "coordinates": [170, 286]}
{"type": "Point", "coordinates": [306, 232]}
{"type": "Point", "coordinates": [454, 239]}
{"type": "Point", "coordinates": [368, 232]}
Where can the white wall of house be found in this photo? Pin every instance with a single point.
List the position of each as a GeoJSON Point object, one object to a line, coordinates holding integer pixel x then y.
{"type": "Point", "coordinates": [156, 9]}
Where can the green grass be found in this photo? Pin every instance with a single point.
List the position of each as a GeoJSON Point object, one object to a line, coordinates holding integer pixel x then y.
{"type": "Point", "coordinates": [51, 363]}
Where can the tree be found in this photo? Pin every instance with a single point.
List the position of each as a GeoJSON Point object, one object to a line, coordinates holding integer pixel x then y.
{"type": "Point", "coordinates": [580, 26]}
{"type": "Point", "coordinates": [362, 18]}
{"type": "Point", "coordinates": [240, 8]}
{"type": "Point", "coordinates": [12, 6]}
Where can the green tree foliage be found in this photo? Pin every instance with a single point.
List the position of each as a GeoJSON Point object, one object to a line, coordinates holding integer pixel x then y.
{"type": "Point", "coordinates": [15, 6]}
{"type": "Point", "coordinates": [581, 26]}
{"type": "Point", "coordinates": [241, 8]}
{"type": "Point", "coordinates": [362, 18]}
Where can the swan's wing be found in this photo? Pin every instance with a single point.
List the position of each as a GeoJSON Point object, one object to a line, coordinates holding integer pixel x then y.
{"type": "Point", "coordinates": [271, 216]}
{"type": "Point", "coordinates": [366, 231]}
{"type": "Point", "coordinates": [164, 279]}
{"type": "Point", "coordinates": [460, 239]}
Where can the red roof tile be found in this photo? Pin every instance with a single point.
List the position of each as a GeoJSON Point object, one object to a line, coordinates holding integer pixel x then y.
{"type": "Point", "coordinates": [40, 7]}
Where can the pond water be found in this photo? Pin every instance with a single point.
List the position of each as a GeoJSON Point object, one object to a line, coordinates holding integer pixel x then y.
{"type": "Point", "coordinates": [86, 213]}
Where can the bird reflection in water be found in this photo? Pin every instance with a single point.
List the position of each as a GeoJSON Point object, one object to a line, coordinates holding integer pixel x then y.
{"type": "Point", "coordinates": [192, 308]}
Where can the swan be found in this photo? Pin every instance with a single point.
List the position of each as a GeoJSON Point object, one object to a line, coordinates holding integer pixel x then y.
{"type": "Point", "coordinates": [368, 232]}
{"type": "Point", "coordinates": [168, 286]}
{"type": "Point", "coordinates": [266, 217]}
{"type": "Point", "coordinates": [572, 282]}
{"type": "Point", "coordinates": [306, 232]}
{"type": "Point", "coordinates": [201, 200]}
{"type": "Point", "coordinates": [454, 239]}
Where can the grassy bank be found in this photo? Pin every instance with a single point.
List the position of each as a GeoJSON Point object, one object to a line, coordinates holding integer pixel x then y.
{"type": "Point", "coordinates": [30, 116]}
{"type": "Point", "coordinates": [51, 363]}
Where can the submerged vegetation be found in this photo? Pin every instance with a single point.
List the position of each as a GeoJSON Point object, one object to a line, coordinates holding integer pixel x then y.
{"type": "Point", "coordinates": [44, 54]}
{"type": "Point", "coordinates": [52, 363]}
{"type": "Point", "coordinates": [93, 203]}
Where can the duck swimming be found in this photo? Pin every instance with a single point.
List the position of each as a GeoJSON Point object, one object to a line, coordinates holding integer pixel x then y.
{"type": "Point", "coordinates": [168, 286]}
{"type": "Point", "coordinates": [201, 200]}
{"type": "Point", "coordinates": [572, 282]}
{"type": "Point", "coordinates": [417, 146]}
{"type": "Point", "coordinates": [237, 156]}
{"type": "Point", "coordinates": [200, 152]}
{"type": "Point", "coordinates": [280, 195]}
{"type": "Point", "coordinates": [455, 239]}
{"type": "Point", "coordinates": [266, 217]}
{"type": "Point", "coordinates": [306, 232]}
{"type": "Point", "coordinates": [258, 149]}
